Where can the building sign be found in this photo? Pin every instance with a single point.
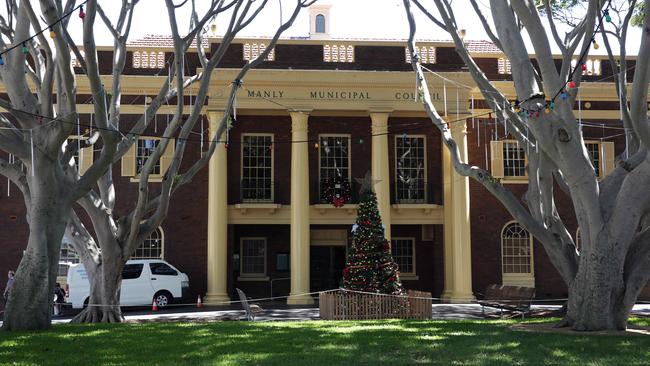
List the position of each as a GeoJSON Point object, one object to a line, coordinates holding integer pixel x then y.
{"type": "Point", "coordinates": [336, 95]}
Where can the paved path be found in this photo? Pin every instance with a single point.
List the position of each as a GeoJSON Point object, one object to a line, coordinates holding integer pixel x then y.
{"type": "Point", "coordinates": [283, 313]}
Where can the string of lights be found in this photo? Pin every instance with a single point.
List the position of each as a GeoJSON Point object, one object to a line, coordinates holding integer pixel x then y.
{"type": "Point", "coordinates": [49, 27]}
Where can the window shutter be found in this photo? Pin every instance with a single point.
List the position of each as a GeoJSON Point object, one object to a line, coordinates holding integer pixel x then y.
{"type": "Point", "coordinates": [607, 160]}
{"type": "Point", "coordinates": [496, 161]}
{"type": "Point", "coordinates": [128, 161]}
{"type": "Point", "coordinates": [86, 159]}
{"type": "Point", "coordinates": [167, 156]}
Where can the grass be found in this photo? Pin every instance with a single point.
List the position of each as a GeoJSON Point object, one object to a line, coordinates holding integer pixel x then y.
{"type": "Point", "coordinates": [391, 342]}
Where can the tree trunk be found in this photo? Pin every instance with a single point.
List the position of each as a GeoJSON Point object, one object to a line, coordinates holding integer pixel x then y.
{"type": "Point", "coordinates": [31, 299]}
{"type": "Point", "coordinates": [104, 300]}
{"type": "Point", "coordinates": [596, 295]}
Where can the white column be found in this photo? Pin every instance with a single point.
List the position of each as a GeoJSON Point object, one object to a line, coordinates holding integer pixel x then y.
{"type": "Point", "coordinates": [217, 220]}
{"type": "Point", "coordinates": [457, 229]}
{"type": "Point", "coordinates": [380, 166]}
{"type": "Point", "coordinates": [299, 210]}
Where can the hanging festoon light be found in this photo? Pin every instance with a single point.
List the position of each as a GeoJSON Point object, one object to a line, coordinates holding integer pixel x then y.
{"type": "Point", "coordinates": [24, 48]}
{"type": "Point", "coordinates": [2, 61]}
{"type": "Point", "coordinates": [572, 84]}
{"type": "Point", "coordinates": [564, 95]}
{"type": "Point", "coordinates": [82, 15]}
{"type": "Point", "coordinates": [608, 18]}
{"type": "Point", "coordinates": [595, 44]}
{"type": "Point", "coordinates": [552, 105]}
{"type": "Point", "coordinates": [52, 33]}
{"type": "Point", "coordinates": [584, 66]}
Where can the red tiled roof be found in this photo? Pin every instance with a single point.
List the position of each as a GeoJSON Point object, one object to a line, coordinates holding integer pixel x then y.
{"type": "Point", "coordinates": [481, 46]}
{"type": "Point", "coordinates": [159, 40]}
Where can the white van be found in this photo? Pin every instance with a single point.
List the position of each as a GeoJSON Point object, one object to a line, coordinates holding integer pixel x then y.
{"type": "Point", "coordinates": [142, 281]}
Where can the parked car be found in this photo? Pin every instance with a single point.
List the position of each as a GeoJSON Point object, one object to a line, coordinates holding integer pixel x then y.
{"type": "Point", "coordinates": [142, 281]}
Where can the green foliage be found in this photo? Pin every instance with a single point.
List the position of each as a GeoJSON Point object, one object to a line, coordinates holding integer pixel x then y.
{"type": "Point", "coordinates": [370, 266]}
{"type": "Point", "coordinates": [391, 342]}
{"type": "Point", "coordinates": [637, 16]}
{"type": "Point", "coordinates": [558, 4]}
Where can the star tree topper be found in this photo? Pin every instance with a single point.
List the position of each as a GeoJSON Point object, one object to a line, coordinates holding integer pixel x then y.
{"type": "Point", "coordinates": [367, 183]}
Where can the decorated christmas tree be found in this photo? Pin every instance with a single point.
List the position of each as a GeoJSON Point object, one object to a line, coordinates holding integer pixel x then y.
{"type": "Point", "coordinates": [370, 266]}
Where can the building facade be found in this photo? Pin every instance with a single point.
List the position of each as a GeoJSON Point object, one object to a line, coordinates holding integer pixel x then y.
{"type": "Point", "coordinates": [317, 114]}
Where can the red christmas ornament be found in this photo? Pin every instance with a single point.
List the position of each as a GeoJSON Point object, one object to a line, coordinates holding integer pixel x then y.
{"type": "Point", "coordinates": [338, 202]}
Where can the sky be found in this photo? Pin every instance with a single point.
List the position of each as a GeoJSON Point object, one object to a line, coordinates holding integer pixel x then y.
{"type": "Point", "coordinates": [376, 19]}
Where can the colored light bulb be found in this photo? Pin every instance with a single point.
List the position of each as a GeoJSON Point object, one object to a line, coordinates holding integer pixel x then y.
{"type": "Point", "coordinates": [2, 61]}
{"type": "Point", "coordinates": [572, 84]}
{"type": "Point", "coordinates": [24, 48]}
{"type": "Point", "coordinates": [595, 45]}
{"type": "Point", "coordinates": [563, 96]}
{"type": "Point", "coordinates": [584, 67]}
{"type": "Point", "coordinates": [52, 34]}
{"type": "Point", "coordinates": [552, 105]}
{"type": "Point", "coordinates": [81, 12]}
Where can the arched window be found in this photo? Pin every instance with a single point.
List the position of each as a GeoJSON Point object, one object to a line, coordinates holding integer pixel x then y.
{"type": "Point", "coordinates": [152, 247]}
{"type": "Point", "coordinates": [320, 23]}
{"type": "Point", "coordinates": [517, 256]}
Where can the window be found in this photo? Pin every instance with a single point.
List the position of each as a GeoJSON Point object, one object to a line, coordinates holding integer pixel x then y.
{"type": "Point", "coordinates": [602, 156]}
{"type": "Point", "coordinates": [338, 53]}
{"type": "Point", "coordinates": [257, 168]}
{"type": "Point", "coordinates": [410, 168]}
{"type": "Point", "coordinates": [162, 269]}
{"type": "Point", "coordinates": [334, 159]}
{"type": "Point", "coordinates": [82, 158]}
{"type": "Point", "coordinates": [253, 50]}
{"type": "Point", "coordinates": [593, 148]}
{"type": "Point", "coordinates": [253, 257]}
{"type": "Point", "coordinates": [514, 160]}
{"type": "Point", "coordinates": [148, 60]}
{"type": "Point", "coordinates": [132, 271]}
{"type": "Point", "coordinates": [504, 67]}
{"type": "Point", "coordinates": [403, 250]}
{"type": "Point", "coordinates": [67, 257]}
{"type": "Point", "coordinates": [592, 66]}
{"type": "Point", "coordinates": [282, 262]}
{"type": "Point", "coordinates": [146, 148]}
{"type": "Point", "coordinates": [517, 256]}
{"type": "Point", "coordinates": [151, 247]}
{"type": "Point", "coordinates": [427, 54]}
{"type": "Point", "coordinates": [136, 157]}
{"type": "Point", "coordinates": [320, 23]}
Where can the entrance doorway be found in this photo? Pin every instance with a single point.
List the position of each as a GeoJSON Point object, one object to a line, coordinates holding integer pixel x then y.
{"type": "Point", "coordinates": [326, 269]}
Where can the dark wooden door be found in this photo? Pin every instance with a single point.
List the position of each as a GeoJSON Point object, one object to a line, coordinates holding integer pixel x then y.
{"type": "Point", "coordinates": [326, 267]}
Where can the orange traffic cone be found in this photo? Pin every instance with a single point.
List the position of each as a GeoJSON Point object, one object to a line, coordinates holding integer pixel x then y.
{"type": "Point", "coordinates": [154, 306]}
{"type": "Point", "coordinates": [199, 303]}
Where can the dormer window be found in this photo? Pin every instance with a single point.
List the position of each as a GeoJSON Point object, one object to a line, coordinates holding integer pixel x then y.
{"type": "Point", "coordinates": [320, 23]}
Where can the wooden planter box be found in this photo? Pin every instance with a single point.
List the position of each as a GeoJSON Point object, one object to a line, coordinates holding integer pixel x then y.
{"type": "Point", "coordinates": [345, 305]}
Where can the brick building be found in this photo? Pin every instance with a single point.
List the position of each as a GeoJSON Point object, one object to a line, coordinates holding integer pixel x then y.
{"type": "Point", "coordinates": [321, 110]}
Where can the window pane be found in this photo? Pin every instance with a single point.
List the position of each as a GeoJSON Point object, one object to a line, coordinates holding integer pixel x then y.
{"type": "Point", "coordinates": [162, 269]}
{"type": "Point", "coordinates": [402, 250]}
{"type": "Point", "coordinates": [131, 271]}
{"type": "Point", "coordinates": [409, 166]}
{"type": "Point", "coordinates": [516, 249]}
{"type": "Point", "coordinates": [257, 164]}
{"type": "Point", "coordinates": [145, 148]}
{"type": "Point", "coordinates": [514, 160]}
{"type": "Point", "coordinates": [334, 160]}
{"type": "Point", "coordinates": [253, 256]}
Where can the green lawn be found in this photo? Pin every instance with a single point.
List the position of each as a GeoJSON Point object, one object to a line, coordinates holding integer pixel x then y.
{"type": "Point", "coordinates": [390, 342]}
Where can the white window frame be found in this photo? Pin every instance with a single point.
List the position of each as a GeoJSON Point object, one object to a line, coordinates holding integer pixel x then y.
{"type": "Point", "coordinates": [427, 54]}
{"type": "Point", "coordinates": [504, 67]}
{"type": "Point", "coordinates": [320, 147]}
{"type": "Point", "coordinates": [336, 52]}
{"type": "Point", "coordinates": [82, 153]}
{"type": "Point", "coordinates": [137, 155]}
{"type": "Point", "coordinates": [322, 16]}
{"type": "Point", "coordinates": [243, 276]}
{"type": "Point", "coordinates": [143, 245]}
{"type": "Point", "coordinates": [252, 50]}
{"type": "Point", "coordinates": [424, 178]}
{"type": "Point", "coordinates": [272, 167]}
{"type": "Point", "coordinates": [503, 161]}
{"type": "Point", "coordinates": [526, 279]}
{"type": "Point", "coordinates": [412, 275]}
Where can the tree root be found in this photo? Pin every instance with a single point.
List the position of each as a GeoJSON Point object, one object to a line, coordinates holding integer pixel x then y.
{"type": "Point", "coordinates": [564, 323]}
{"type": "Point", "coordinates": [97, 315]}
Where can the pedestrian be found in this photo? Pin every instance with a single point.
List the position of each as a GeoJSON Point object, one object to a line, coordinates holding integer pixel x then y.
{"type": "Point", "coordinates": [9, 286]}
{"type": "Point", "coordinates": [59, 298]}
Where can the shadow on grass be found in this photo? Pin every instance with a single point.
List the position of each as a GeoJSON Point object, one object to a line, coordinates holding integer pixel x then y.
{"type": "Point", "coordinates": [317, 343]}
